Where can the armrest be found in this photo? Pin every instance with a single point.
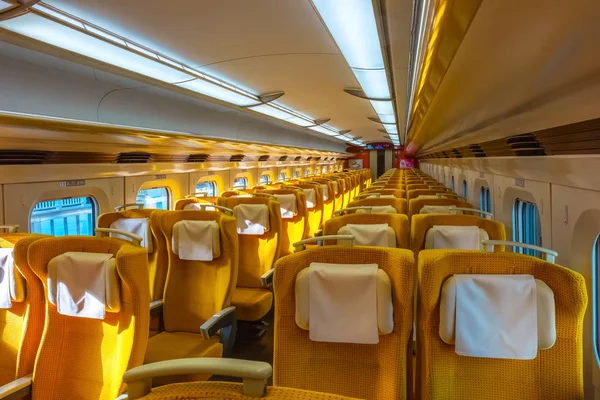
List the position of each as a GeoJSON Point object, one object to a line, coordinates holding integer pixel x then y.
{"type": "Point", "coordinates": [220, 320]}
{"type": "Point", "coordinates": [267, 279]}
{"type": "Point", "coordinates": [155, 305]}
{"type": "Point", "coordinates": [253, 373]}
{"type": "Point", "coordinates": [16, 389]}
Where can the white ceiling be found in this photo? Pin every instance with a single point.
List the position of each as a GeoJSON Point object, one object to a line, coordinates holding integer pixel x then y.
{"type": "Point", "coordinates": [260, 45]}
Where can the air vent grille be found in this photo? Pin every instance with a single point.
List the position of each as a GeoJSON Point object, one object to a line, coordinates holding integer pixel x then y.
{"type": "Point", "coordinates": [282, 158]}
{"type": "Point", "coordinates": [236, 158]}
{"type": "Point", "coordinates": [263, 158]}
{"type": "Point", "coordinates": [10, 157]}
{"type": "Point", "coordinates": [298, 158]}
{"type": "Point", "coordinates": [133, 158]}
{"type": "Point", "coordinates": [198, 157]}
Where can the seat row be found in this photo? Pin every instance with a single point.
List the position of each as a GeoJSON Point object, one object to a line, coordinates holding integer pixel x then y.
{"type": "Point", "coordinates": [343, 325]}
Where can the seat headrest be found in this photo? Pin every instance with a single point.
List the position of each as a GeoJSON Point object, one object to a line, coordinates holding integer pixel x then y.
{"type": "Point", "coordinates": [335, 187]}
{"type": "Point", "coordinates": [369, 235]}
{"type": "Point", "coordinates": [287, 204]}
{"type": "Point", "coordinates": [382, 196]}
{"type": "Point", "coordinates": [12, 283]}
{"type": "Point", "coordinates": [311, 198]}
{"type": "Point", "coordinates": [501, 316]}
{"type": "Point", "coordinates": [438, 209]}
{"type": "Point", "coordinates": [84, 285]}
{"type": "Point", "coordinates": [325, 190]}
{"type": "Point", "coordinates": [199, 206]}
{"type": "Point", "coordinates": [252, 219]}
{"type": "Point", "coordinates": [455, 237]}
{"type": "Point", "coordinates": [348, 303]}
{"type": "Point", "coordinates": [378, 210]}
{"type": "Point", "coordinates": [196, 240]}
{"type": "Point", "coordinates": [137, 226]}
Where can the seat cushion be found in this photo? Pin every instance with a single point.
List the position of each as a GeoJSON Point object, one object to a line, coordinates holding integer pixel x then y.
{"type": "Point", "coordinates": [251, 303]}
{"type": "Point", "coordinates": [174, 345]}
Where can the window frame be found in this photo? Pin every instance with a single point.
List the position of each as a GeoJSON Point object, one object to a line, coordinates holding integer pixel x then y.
{"type": "Point", "coordinates": [283, 176]}
{"type": "Point", "coordinates": [452, 182]}
{"type": "Point", "coordinates": [485, 199]}
{"type": "Point", "coordinates": [465, 188]}
{"type": "Point", "coordinates": [244, 179]}
{"type": "Point", "coordinates": [168, 192]}
{"type": "Point", "coordinates": [214, 185]}
{"type": "Point", "coordinates": [261, 181]}
{"type": "Point", "coordinates": [296, 174]}
{"type": "Point", "coordinates": [92, 223]}
{"type": "Point", "coordinates": [595, 308]}
{"type": "Point", "coordinates": [526, 226]}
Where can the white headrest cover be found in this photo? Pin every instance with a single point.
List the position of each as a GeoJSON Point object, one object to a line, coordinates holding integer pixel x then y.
{"type": "Point", "coordinates": [546, 318]}
{"type": "Point", "coordinates": [378, 210]}
{"type": "Point", "coordinates": [311, 198]}
{"type": "Point", "coordinates": [196, 240]}
{"type": "Point", "coordinates": [382, 196]}
{"type": "Point", "coordinates": [325, 190]}
{"type": "Point", "coordinates": [385, 308]}
{"type": "Point", "coordinates": [455, 237]}
{"type": "Point", "coordinates": [84, 284]}
{"type": "Point", "coordinates": [335, 187]}
{"type": "Point", "coordinates": [137, 226]}
{"type": "Point", "coordinates": [287, 204]}
{"type": "Point", "coordinates": [369, 235]}
{"type": "Point", "coordinates": [252, 219]}
{"type": "Point", "coordinates": [199, 206]}
{"type": "Point", "coordinates": [12, 283]}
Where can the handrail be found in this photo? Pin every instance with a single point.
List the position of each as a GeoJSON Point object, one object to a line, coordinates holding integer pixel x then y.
{"type": "Point", "coordinates": [293, 187]}
{"type": "Point", "coordinates": [340, 212]}
{"type": "Point", "coordinates": [549, 255]}
{"type": "Point", "coordinates": [301, 245]}
{"type": "Point", "coordinates": [11, 228]}
{"type": "Point", "coordinates": [360, 195]}
{"type": "Point", "coordinates": [139, 206]}
{"type": "Point", "coordinates": [270, 196]}
{"type": "Point", "coordinates": [135, 239]}
{"type": "Point", "coordinates": [487, 215]}
{"type": "Point", "coordinates": [196, 195]}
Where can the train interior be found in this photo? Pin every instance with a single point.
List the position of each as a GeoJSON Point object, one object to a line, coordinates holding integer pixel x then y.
{"type": "Point", "coordinates": [299, 199]}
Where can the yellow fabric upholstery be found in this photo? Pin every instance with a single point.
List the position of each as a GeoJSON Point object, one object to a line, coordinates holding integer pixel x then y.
{"type": "Point", "coordinates": [415, 205]}
{"type": "Point", "coordinates": [181, 203]}
{"type": "Point", "coordinates": [315, 214]}
{"type": "Point", "coordinates": [363, 371]}
{"type": "Point", "coordinates": [424, 186]}
{"type": "Point", "coordinates": [329, 205]}
{"type": "Point", "coordinates": [21, 326]}
{"type": "Point", "coordinates": [398, 204]}
{"type": "Point", "coordinates": [292, 229]}
{"type": "Point", "coordinates": [232, 391]}
{"type": "Point", "coordinates": [157, 260]}
{"type": "Point", "coordinates": [421, 223]}
{"type": "Point", "coordinates": [83, 358]}
{"type": "Point", "coordinates": [251, 303]}
{"type": "Point", "coordinates": [398, 222]}
{"type": "Point", "coordinates": [257, 255]}
{"type": "Point", "coordinates": [556, 373]}
{"type": "Point", "coordinates": [196, 290]}
{"type": "Point", "coordinates": [176, 345]}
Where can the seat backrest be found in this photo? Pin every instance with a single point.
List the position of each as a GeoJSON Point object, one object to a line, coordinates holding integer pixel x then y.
{"type": "Point", "coordinates": [314, 206]}
{"type": "Point", "coordinates": [422, 224]}
{"type": "Point", "coordinates": [401, 194]}
{"type": "Point", "coordinates": [398, 204]}
{"type": "Point", "coordinates": [157, 264]}
{"type": "Point", "coordinates": [329, 198]}
{"type": "Point", "coordinates": [421, 186]}
{"type": "Point", "coordinates": [415, 193]}
{"type": "Point", "coordinates": [339, 367]}
{"type": "Point", "coordinates": [415, 205]}
{"type": "Point", "coordinates": [237, 193]}
{"type": "Point", "coordinates": [555, 373]}
{"type": "Point", "coordinates": [294, 222]}
{"type": "Point", "coordinates": [22, 322]}
{"type": "Point", "coordinates": [198, 284]}
{"type": "Point", "coordinates": [397, 222]}
{"type": "Point", "coordinates": [258, 253]}
{"type": "Point", "coordinates": [85, 358]}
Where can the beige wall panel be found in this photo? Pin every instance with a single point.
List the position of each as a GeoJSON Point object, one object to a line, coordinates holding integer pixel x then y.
{"type": "Point", "coordinates": [576, 224]}
{"type": "Point", "coordinates": [1, 204]}
{"type": "Point", "coordinates": [19, 199]}
{"type": "Point", "coordinates": [178, 185]}
{"type": "Point", "coordinates": [221, 179]}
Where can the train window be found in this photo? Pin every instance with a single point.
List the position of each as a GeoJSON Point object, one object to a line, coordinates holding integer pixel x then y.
{"type": "Point", "coordinates": [464, 188]}
{"type": "Point", "coordinates": [595, 288]}
{"type": "Point", "coordinates": [157, 198]}
{"type": "Point", "coordinates": [72, 216]}
{"type": "Point", "coordinates": [296, 174]}
{"type": "Point", "coordinates": [526, 226]}
{"type": "Point", "coordinates": [210, 188]}
{"type": "Point", "coordinates": [485, 199]}
{"type": "Point", "coordinates": [265, 179]}
{"type": "Point", "coordinates": [283, 176]}
{"type": "Point", "coordinates": [452, 183]}
{"type": "Point", "coordinates": [240, 183]}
